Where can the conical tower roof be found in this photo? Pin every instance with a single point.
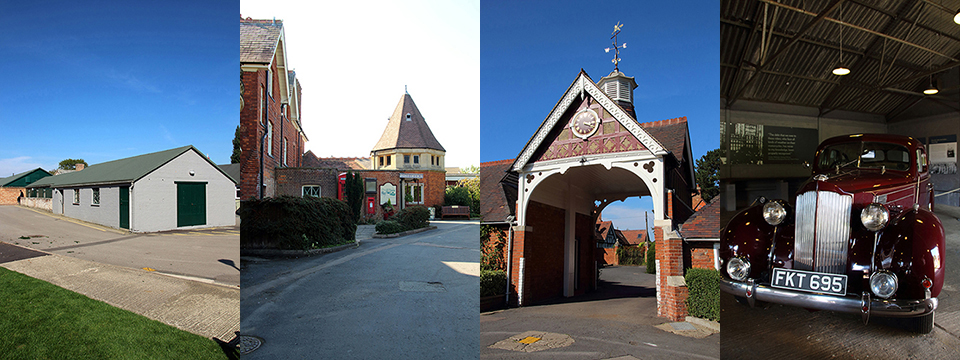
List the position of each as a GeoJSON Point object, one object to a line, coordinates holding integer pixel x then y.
{"type": "Point", "coordinates": [407, 129]}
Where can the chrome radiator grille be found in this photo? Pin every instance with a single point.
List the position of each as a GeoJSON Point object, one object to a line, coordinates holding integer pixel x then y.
{"type": "Point", "coordinates": [822, 231]}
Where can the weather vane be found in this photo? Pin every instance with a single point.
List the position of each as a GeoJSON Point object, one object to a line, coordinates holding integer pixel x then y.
{"type": "Point", "coordinates": [615, 48]}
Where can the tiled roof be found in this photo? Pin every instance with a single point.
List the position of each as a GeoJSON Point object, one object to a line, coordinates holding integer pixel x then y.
{"type": "Point", "coordinates": [259, 39]}
{"type": "Point", "coordinates": [232, 170]}
{"type": "Point", "coordinates": [703, 224]}
{"type": "Point", "coordinates": [671, 133]}
{"type": "Point", "coordinates": [125, 170]}
{"type": "Point", "coordinates": [635, 237]}
{"type": "Point", "coordinates": [411, 134]}
{"type": "Point", "coordinates": [494, 206]}
{"type": "Point", "coordinates": [310, 160]}
{"type": "Point", "coordinates": [604, 228]}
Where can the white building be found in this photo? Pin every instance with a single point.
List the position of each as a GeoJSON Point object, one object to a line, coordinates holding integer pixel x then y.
{"type": "Point", "coordinates": [171, 189]}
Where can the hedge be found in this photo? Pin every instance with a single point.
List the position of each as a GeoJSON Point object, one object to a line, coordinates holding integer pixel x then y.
{"type": "Point", "coordinates": [703, 300]}
{"type": "Point", "coordinates": [630, 255]}
{"type": "Point", "coordinates": [492, 282]}
{"type": "Point", "coordinates": [652, 258]}
{"type": "Point", "coordinates": [410, 218]}
{"type": "Point", "coordinates": [295, 223]}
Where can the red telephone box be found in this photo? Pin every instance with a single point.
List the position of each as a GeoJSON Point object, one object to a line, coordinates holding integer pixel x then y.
{"type": "Point", "coordinates": [341, 187]}
{"type": "Point", "coordinates": [371, 205]}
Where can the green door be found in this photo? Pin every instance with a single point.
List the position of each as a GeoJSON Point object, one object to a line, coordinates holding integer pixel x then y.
{"type": "Point", "coordinates": [125, 207]}
{"type": "Point", "coordinates": [191, 203]}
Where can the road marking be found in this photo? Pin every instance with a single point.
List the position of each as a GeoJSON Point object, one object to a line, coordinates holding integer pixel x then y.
{"type": "Point", "coordinates": [78, 222]}
{"type": "Point", "coordinates": [149, 269]}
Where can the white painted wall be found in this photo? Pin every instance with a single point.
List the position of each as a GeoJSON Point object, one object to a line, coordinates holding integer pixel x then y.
{"type": "Point", "coordinates": [153, 199]}
{"type": "Point", "coordinates": [107, 213]}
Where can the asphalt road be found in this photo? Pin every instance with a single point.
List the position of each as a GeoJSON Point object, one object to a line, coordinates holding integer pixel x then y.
{"type": "Point", "coordinates": [778, 331]}
{"type": "Point", "coordinates": [412, 297]}
{"type": "Point", "coordinates": [212, 255]}
{"type": "Point", "coordinates": [615, 321]}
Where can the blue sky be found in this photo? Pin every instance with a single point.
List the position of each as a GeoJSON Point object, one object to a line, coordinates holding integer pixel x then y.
{"type": "Point", "coordinates": [107, 80]}
{"type": "Point", "coordinates": [532, 51]}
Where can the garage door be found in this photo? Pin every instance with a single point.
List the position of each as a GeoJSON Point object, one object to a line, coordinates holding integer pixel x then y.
{"type": "Point", "coordinates": [191, 203]}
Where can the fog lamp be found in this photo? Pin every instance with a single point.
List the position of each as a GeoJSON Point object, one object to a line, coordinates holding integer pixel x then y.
{"type": "Point", "coordinates": [874, 217]}
{"type": "Point", "coordinates": [883, 284]}
{"type": "Point", "coordinates": [774, 213]}
{"type": "Point", "coordinates": [738, 269]}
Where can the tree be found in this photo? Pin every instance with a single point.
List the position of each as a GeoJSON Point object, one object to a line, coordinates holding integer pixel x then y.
{"type": "Point", "coordinates": [472, 169]}
{"type": "Point", "coordinates": [71, 164]}
{"type": "Point", "coordinates": [707, 167]}
{"type": "Point", "coordinates": [354, 187]}
{"type": "Point", "coordinates": [235, 158]}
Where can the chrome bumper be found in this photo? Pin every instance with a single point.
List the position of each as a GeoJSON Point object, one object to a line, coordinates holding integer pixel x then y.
{"type": "Point", "coordinates": [865, 305]}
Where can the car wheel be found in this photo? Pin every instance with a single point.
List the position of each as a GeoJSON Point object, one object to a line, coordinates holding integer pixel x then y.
{"type": "Point", "coordinates": [923, 324]}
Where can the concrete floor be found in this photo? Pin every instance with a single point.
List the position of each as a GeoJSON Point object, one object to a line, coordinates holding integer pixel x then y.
{"type": "Point", "coordinates": [210, 255]}
{"type": "Point", "coordinates": [778, 331]}
{"type": "Point", "coordinates": [615, 321]}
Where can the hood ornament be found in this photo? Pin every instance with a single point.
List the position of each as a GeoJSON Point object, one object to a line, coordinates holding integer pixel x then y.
{"type": "Point", "coordinates": [821, 177]}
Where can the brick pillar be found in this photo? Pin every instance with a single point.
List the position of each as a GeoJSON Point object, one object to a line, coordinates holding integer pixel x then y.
{"type": "Point", "coordinates": [519, 234]}
{"type": "Point", "coordinates": [671, 288]}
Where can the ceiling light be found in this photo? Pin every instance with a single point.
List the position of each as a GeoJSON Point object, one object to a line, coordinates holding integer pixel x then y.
{"type": "Point", "coordinates": [932, 88]}
{"type": "Point", "coordinates": [840, 71]}
{"type": "Point", "coordinates": [956, 18]}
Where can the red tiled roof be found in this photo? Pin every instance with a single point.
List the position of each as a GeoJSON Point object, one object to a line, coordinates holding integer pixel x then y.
{"type": "Point", "coordinates": [672, 133]}
{"type": "Point", "coordinates": [403, 133]}
{"type": "Point", "coordinates": [493, 202]}
{"type": "Point", "coordinates": [604, 228]}
{"type": "Point", "coordinates": [635, 237]}
{"type": "Point", "coordinates": [259, 39]}
{"type": "Point", "coordinates": [703, 224]}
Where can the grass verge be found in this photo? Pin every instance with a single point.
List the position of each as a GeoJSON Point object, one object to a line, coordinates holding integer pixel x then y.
{"type": "Point", "coordinates": [40, 320]}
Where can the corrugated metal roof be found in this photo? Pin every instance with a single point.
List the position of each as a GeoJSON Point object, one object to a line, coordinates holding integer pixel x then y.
{"type": "Point", "coordinates": [125, 170]}
{"type": "Point", "coordinates": [917, 37]}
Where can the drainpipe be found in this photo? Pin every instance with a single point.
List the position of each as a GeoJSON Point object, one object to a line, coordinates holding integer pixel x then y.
{"type": "Point", "coordinates": [509, 254]}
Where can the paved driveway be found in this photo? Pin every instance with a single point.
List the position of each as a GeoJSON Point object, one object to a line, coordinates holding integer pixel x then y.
{"type": "Point", "coordinates": [210, 255]}
{"type": "Point", "coordinates": [615, 321]}
{"type": "Point", "coordinates": [778, 331]}
{"type": "Point", "coordinates": [412, 297]}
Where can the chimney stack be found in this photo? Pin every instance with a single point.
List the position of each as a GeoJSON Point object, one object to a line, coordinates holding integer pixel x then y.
{"type": "Point", "coordinates": [79, 166]}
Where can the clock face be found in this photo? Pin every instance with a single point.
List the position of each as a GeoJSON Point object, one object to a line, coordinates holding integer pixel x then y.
{"type": "Point", "coordinates": [585, 123]}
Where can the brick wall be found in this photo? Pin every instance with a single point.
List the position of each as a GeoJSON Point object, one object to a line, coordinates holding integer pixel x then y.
{"type": "Point", "coordinates": [290, 181]}
{"type": "Point", "coordinates": [671, 297]}
{"type": "Point", "coordinates": [8, 195]}
{"type": "Point", "coordinates": [702, 256]}
{"type": "Point", "coordinates": [608, 256]}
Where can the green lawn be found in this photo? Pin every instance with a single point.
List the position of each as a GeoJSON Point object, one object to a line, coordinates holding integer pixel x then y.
{"type": "Point", "coordinates": [39, 320]}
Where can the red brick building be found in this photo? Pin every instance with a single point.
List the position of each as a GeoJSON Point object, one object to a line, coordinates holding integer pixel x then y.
{"type": "Point", "coordinates": [701, 237]}
{"type": "Point", "coordinates": [590, 152]}
{"type": "Point", "coordinates": [270, 121]}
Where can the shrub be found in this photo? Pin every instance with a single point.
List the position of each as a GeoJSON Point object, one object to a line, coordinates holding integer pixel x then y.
{"type": "Point", "coordinates": [296, 223]}
{"type": "Point", "coordinates": [413, 217]}
{"type": "Point", "coordinates": [652, 258]}
{"type": "Point", "coordinates": [456, 195]}
{"type": "Point", "coordinates": [492, 244]}
{"type": "Point", "coordinates": [492, 282]}
{"type": "Point", "coordinates": [703, 287]}
{"type": "Point", "coordinates": [389, 227]}
{"type": "Point", "coordinates": [630, 255]}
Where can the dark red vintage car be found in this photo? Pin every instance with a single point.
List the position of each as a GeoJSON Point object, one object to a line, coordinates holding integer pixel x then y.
{"type": "Point", "coordinates": [860, 238]}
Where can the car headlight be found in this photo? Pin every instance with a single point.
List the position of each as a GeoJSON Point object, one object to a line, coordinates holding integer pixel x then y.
{"type": "Point", "coordinates": [774, 213]}
{"type": "Point", "coordinates": [738, 269]}
{"type": "Point", "coordinates": [883, 284]}
{"type": "Point", "coordinates": [874, 216]}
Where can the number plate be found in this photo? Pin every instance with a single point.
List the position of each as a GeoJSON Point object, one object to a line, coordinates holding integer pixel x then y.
{"type": "Point", "coordinates": [809, 281]}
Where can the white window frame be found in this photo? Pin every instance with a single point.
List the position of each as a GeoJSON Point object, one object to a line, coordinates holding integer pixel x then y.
{"type": "Point", "coordinates": [76, 196]}
{"type": "Point", "coordinates": [410, 196]}
{"type": "Point", "coordinates": [270, 82]}
{"type": "Point", "coordinates": [269, 137]}
{"type": "Point", "coordinates": [303, 190]}
{"type": "Point", "coordinates": [284, 152]}
{"type": "Point", "coordinates": [95, 197]}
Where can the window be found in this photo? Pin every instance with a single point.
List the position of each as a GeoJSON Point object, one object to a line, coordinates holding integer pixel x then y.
{"type": "Point", "coordinates": [264, 115]}
{"type": "Point", "coordinates": [432, 160]}
{"type": "Point", "coordinates": [311, 190]}
{"type": "Point", "coordinates": [388, 159]}
{"type": "Point", "coordinates": [96, 196]}
{"type": "Point", "coordinates": [270, 82]}
{"type": "Point", "coordinates": [381, 160]}
{"type": "Point", "coordinates": [76, 196]}
{"type": "Point", "coordinates": [413, 193]}
{"type": "Point", "coordinates": [406, 159]}
{"type": "Point", "coordinates": [269, 138]}
{"type": "Point", "coordinates": [284, 152]}
{"type": "Point", "coordinates": [416, 159]}
{"type": "Point", "coordinates": [370, 185]}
